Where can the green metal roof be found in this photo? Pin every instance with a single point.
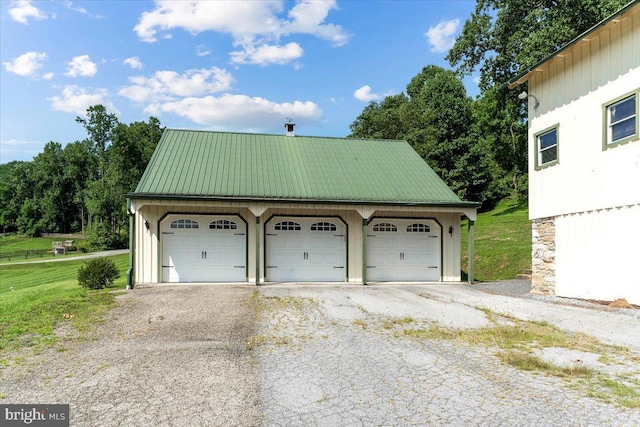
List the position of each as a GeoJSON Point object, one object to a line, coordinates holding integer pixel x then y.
{"type": "Point", "coordinates": [237, 166]}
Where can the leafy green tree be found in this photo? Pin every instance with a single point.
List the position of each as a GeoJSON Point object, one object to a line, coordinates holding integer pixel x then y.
{"type": "Point", "coordinates": [437, 118]}
{"type": "Point", "coordinates": [503, 37]}
{"type": "Point", "coordinates": [100, 126]}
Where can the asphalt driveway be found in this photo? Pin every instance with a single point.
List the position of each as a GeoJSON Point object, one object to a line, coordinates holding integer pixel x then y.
{"type": "Point", "coordinates": [318, 356]}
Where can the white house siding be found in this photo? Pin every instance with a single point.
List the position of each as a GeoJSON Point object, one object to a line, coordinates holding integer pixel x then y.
{"type": "Point", "coordinates": [597, 254]}
{"type": "Point", "coordinates": [586, 177]}
{"type": "Point", "coordinates": [591, 195]}
{"type": "Point", "coordinates": [148, 247]}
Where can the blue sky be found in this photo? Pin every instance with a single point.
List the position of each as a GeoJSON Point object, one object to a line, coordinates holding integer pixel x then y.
{"type": "Point", "coordinates": [240, 66]}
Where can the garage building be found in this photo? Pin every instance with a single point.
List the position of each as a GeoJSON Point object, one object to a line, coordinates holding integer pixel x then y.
{"type": "Point", "coordinates": [219, 207]}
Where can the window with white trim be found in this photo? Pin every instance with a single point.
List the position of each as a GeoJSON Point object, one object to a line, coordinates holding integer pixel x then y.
{"type": "Point", "coordinates": [622, 120]}
{"type": "Point", "coordinates": [185, 223]}
{"type": "Point", "coordinates": [323, 226]}
{"type": "Point", "coordinates": [385, 226]}
{"type": "Point", "coordinates": [287, 226]}
{"type": "Point", "coordinates": [547, 147]}
{"type": "Point", "coordinates": [418, 228]}
{"type": "Point", "coordinates": [223, 224]}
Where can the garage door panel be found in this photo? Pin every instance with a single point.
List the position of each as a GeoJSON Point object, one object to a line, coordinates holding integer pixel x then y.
{"type": "Point", "coordinates": [212, 250]}
{"type": "Point", "coordinates": [403, 250]}
{"type": "Point", "coordinates": [315, 249]}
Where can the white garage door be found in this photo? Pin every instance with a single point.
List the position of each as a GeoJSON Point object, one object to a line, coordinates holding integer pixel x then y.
{"type": "Point", "coordinates": [204, 249]}
{"type": "Point", "coordinates": [306, 250]}
{"type": "Point", "coordinates": [401, 250]}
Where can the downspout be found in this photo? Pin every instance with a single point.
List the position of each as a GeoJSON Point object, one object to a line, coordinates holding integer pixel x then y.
{"type": "Point", "coordinates": [471, 252]}
{"type": "Point", "coordinates": [132, 226]}
{"type": "Point", "coordinates": [364, 251]}
{"type": "Point", "coordinates": [257, 250]}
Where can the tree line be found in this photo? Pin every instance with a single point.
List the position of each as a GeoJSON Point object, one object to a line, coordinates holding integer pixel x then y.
{"type": "Point", "coordinates": [80, 187]}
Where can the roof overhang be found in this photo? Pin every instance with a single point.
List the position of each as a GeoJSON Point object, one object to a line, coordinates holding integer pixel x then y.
{"type": "Point", "coordinates": [249, 199]}
{"type": "Point", "coordinates": [585, 37]}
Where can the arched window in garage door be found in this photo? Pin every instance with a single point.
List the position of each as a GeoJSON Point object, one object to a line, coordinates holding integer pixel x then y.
{"type": "Point", "coordinates": [418, 228]}
{"type": "Point", "coordinates": [385, 226]}
{"type": "Point", "coordinates": [323, 226]}
{"type": "Point", "coordinates": [287, 226]}
{"type": "Point", "coordinates": [223, 224]}
{"type": "Point", "coordinates": [185, 223]}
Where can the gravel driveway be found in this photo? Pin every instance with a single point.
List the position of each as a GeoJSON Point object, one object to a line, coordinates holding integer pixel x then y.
{"type": "Point", "coordinates": [168, 356]}
{"type": "Point", "coordinates": [309, 356]}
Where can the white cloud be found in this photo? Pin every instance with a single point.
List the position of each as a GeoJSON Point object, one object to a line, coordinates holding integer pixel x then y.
{"type": "Point", "coordinates": [254, 25]}
{"type": "Point", "coordinates": [22, 10]}
{"type": "Point", "coordinates": [26, 64]}
{"type": "Point", "coordinates": [78, 9]}
{"type": "Point", "coordinates": [47, 76]}
{"type": "Point", "coordinates": [81, 66]}
{"type": "Point", "coordinates": [267, 54]}
{"type": "Point", "coordinates": [133, 62]}
{"type": "Point", "coordinates": [202, 50]}
{"type": "Point", "coordinates": [238, 112]}
{"type": "Point", "coordinates": [308, 17]}
{"type": "Point", "coordinates": [169, 85]}
{"type": "Point", "coordinates": [442, 36]}
{"type": "Point", "coordinates": [364, 94]}
{"type": "Point", "coordinates": [77, 100]}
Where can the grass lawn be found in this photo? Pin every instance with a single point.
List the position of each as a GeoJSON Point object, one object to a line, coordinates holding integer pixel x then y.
{"type": "Point", "coordinates": [35, 297]}
{"type": "Point", "coordinates": [502, 242]}
{"type": "Point", "coordinates": [18, 243]}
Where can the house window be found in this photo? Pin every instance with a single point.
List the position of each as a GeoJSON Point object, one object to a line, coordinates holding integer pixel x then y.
{"type": "Point", "coordinates": [418, 228]}
{"type": "Point", "coordinates": [547, 147]}
{"type": "Point", "coordinates": [621, 119]}
{"type": "Point", "coordinates": [287, 226]}
{"type": "Point", "coordinates": [385, 226]}
{"type": "Point", "coordinates": [184, 223]}
{"type": "Point", "coordinates": [323, 226]}
{"type": "Point", "coordinates": [223, 224]}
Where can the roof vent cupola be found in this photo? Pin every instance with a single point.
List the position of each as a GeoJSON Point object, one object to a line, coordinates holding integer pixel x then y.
{"type": "Point", "coordinates": [289, 127]}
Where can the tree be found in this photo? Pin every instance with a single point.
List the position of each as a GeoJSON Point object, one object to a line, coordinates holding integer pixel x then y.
{"type": "Point", "coordinates": [503, 37]}
{"type": "Point", "coordinates": [436, 117]}
{"type": "Point", "coordinates": [99, 125]}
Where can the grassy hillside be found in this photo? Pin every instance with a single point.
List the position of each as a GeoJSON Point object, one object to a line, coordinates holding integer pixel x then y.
{"type": "Point", "coordinates": [35, 297]}
{"type": "Point", "coordinates": [502, 242]}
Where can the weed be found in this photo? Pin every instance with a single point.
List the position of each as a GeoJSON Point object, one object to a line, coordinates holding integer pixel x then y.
{"type": "Point", "coordinates": [359, 322]}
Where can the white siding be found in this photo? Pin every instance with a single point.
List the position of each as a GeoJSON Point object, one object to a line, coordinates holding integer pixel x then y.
{"type": "Point", "coordinates": [597, 255]}
{"type": "Point", "coordinates": [586, 176]}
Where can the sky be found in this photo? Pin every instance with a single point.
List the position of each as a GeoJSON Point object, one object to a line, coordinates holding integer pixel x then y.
{"type": "Point", "coordinates": [238, 66]}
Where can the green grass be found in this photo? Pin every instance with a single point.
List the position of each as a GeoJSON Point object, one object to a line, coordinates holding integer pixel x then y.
{"type": "Point", "coordinates": [18, 243]}
{"type": "Point", "coordinates": [502, 242]}
{"type": "Point", "coordinates": [34, 298]}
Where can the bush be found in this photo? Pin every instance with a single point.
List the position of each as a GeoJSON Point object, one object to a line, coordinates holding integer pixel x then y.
{"type": "Point", "coordinates": [98, 273]}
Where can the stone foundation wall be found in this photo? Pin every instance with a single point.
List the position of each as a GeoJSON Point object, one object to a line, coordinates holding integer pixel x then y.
{"type": "Point", "coordinates": [543, 254]}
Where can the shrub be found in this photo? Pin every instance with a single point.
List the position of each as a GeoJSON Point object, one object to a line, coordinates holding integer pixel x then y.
{"type": "Point", "coordinates": [98, 273]}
